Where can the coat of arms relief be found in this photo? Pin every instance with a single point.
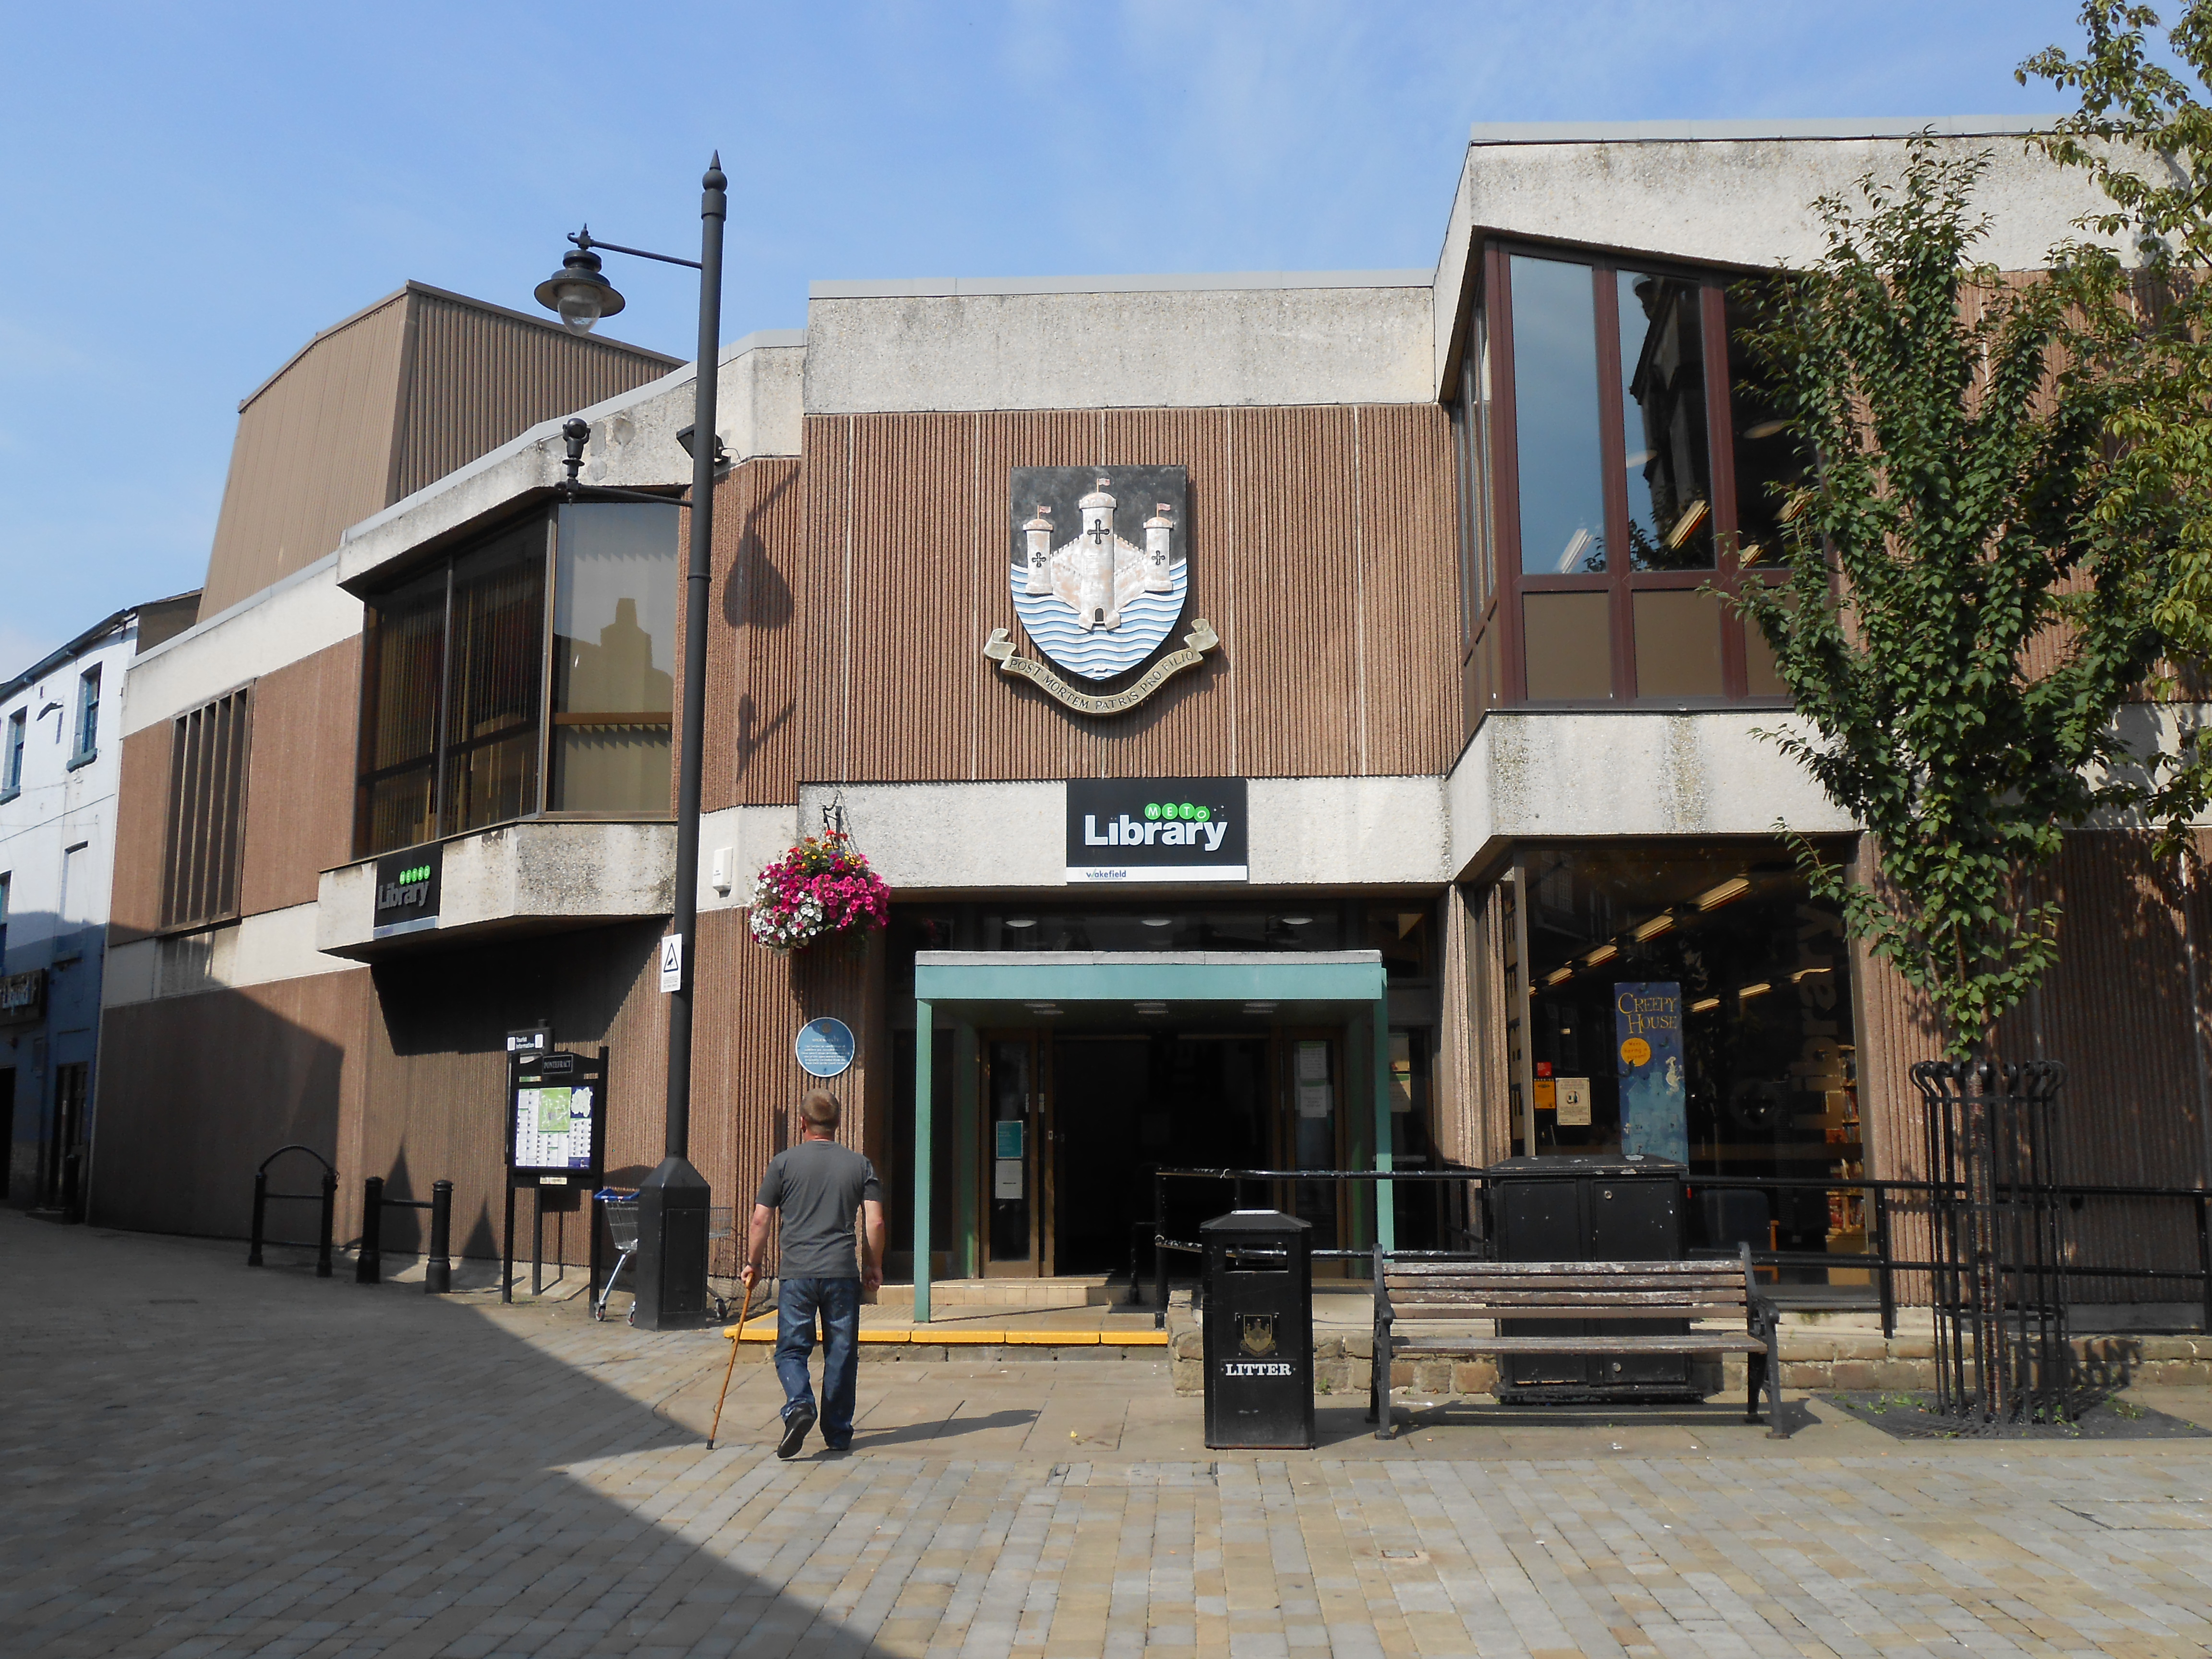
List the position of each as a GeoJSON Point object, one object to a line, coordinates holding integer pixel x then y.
{"type": "Point", "coordinates": [1099, 575]}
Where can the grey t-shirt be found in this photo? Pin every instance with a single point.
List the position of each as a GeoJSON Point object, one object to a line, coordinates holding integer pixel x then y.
{"type": "Point", "coordinates": [819, 1184]}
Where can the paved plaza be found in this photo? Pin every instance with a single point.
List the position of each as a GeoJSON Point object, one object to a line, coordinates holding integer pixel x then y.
{"type": "Point", "coordinates": [204, 1459]}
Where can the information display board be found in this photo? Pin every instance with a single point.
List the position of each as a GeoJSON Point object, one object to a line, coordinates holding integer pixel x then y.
{"type": "Point", "coordinates": [556, 1113]}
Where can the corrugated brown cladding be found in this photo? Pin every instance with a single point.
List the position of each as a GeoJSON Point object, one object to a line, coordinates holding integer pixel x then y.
{"type": "Point", "coordinates": [142, 811]}
{"type": "Point", "coordinates": [437, 1071]}
{"type": "Point", "coordinates": [195, 1091]}
{"type": "Point", "coordinates": [2119, 1010]}
{"type": "Point", "coordinates": [298, 786]}
{"type": "Point", "coordinates": [747, 1086]}
{"type": "Point", "coordinates": [299, 793]}
{"type": "Point", "coordinates": [477, 376]}
{"type": "Point", "coordinates": [753, 639]}
{"type": "Point", "coordinates": [1321, 552]}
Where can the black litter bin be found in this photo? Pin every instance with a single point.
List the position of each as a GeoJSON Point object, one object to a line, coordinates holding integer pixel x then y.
{"type": "Point", "coordinates": [1588, 1208]}
{"type": "Point", "coordinates": [1258, 1327]}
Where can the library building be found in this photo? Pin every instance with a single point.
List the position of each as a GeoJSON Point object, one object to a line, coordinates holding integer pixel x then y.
{"type": "Point", "coordinates": [1297, 718]}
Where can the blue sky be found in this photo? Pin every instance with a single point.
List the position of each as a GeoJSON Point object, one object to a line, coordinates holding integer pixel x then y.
{"type": "Point", "coordinates": [191, 192]}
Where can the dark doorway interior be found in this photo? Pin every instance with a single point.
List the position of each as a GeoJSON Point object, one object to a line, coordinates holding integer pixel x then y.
{"type": "Point", "coordinates": [7, 1135]}
{"type": "Point", "coordinates": [1126, 1102]}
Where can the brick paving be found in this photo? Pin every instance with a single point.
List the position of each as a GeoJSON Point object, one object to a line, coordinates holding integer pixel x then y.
{"type": "Point", "coordinates": [206, 1459]}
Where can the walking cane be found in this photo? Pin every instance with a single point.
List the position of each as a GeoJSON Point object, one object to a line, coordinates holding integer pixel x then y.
{"type": "Point", "coordinates": [732, 1335]}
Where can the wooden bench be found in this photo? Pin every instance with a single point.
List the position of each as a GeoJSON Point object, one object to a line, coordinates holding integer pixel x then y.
{"type": "Point", "coordinates": [1429, 1288]}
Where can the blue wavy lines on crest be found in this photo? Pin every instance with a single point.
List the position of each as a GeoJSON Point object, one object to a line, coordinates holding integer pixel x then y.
{"type": "Point", "coordinates": [1146, 620]}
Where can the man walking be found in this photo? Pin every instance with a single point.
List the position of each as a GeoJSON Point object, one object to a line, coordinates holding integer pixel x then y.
{"type": "Point", "coordinates": [818, 1186]}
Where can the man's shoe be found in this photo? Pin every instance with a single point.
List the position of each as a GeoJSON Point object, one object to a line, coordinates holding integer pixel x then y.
{"type": "Point", "coordinates": [795, 1425]}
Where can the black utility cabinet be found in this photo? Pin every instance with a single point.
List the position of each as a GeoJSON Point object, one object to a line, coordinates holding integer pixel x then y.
{"type": "Point", "coordinates": [1585, 1209]}
{"type": "Point", "coordinates": [1257, 1324]}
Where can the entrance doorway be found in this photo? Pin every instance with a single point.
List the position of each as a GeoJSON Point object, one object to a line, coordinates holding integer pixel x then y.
{"type": "Point", "coordinates": [1076, 1120]}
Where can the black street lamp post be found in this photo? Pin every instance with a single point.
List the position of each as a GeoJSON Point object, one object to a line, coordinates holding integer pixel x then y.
{"type": "Point", "coordinates": [672, 1203]}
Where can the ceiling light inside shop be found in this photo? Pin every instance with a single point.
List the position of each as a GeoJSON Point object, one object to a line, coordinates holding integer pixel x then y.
{"type": "Point", "coordinates": [1603, 953]}
{"type": "Point", "coordinates": [1704, 1004]}
{"type": "Point", "coordinates": [1159, 921]}
{"type": "Point", "coordinates": [1021, 921]}
{"type": "Point", "coordinates": [1294, 921]}
{"type": "Point", "coordinates": [1151, 1007]}
{"type": "Point", "coordinates": [1259, 1007]}
{"type": "Point", "coordinates": [1746, 993]}
{"type": "Point", "coordinates": [1559, 975]}
{"type": "Point", "coordinates": [1653, 927]}
{"type": "Point", "coordinates": [1713, 897]}
{"type": "Point", "coordinates": [1042, 1007]}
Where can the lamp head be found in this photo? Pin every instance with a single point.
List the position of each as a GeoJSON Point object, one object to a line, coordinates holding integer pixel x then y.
{"type": "Point", "coordinates": [577, 292]}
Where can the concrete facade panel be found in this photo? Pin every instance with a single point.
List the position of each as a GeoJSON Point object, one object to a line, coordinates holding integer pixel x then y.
{"type": "Point", "coordinates": [1628, 774]}
{"type": "Point", "coordinates": [1183, 348]}
{"type": "Point", "coordinates": [304, 614]}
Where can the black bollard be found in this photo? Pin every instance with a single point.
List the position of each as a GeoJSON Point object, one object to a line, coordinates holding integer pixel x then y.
{"type": "Point", "coordinates": [260, 1208]}
{"type": "Point", "coordinates": [438, 1271]}
{"type": "Point", "coordinates": [369, 1266]}
{"type": "Point", "coordinates": [330, 1216]}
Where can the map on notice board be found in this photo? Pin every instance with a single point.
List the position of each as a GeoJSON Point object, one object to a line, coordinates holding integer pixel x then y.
{"type": "Point", "coordinates": [553, 1128]}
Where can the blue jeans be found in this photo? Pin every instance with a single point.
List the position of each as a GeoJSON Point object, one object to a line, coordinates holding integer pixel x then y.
{"type": "Point", "coordinates": [838, 1301]}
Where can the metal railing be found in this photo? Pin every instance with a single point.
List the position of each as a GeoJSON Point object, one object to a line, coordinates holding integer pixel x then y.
{"type": "Point", "coordinates": [327, 1197]}
{"type": "Point", "coordinates": [1879, 1260]}
{"type": "Point", "coordinates": [438, 1270]}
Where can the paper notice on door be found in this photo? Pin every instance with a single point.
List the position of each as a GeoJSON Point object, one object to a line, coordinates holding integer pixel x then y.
{"type": "Point", "coordinates": [1315, 1098]}
{"type": "Point", "coordinates": [1313, 1062]}
{"type": "Point", "coordinates": [1007, 1177]}
{"type": "Point", "coordinates": [1574, 1093]}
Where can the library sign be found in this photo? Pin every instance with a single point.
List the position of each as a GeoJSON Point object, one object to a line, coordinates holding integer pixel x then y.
{"type": "Point", "coordinates": [407, 890]}
{"type": "Point", "coordinates": [1144, 830]}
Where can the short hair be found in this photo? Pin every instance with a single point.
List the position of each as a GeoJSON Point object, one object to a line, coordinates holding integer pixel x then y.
{"type": "Point", "coordinates": [820, 1110]}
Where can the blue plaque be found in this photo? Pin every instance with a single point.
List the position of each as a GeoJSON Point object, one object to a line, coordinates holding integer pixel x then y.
{"type": "Point", "coordinates": [825, 1046]}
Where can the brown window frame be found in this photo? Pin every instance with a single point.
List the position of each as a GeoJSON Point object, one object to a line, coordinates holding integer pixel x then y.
{"type": "Point", "coordinates": [1493, 658]}
{"type": "Point", "coordinates": [543, 722]}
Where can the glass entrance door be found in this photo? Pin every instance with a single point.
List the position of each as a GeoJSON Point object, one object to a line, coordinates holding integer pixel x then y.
{"type": "Point", "coordinates": [1016, 1224]}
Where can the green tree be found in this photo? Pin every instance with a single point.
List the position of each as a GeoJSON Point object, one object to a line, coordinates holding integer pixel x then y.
{"type": "Point", "coordinates": [1960, 508]}
{"type": "Point", "coordinates": [2145, 135]}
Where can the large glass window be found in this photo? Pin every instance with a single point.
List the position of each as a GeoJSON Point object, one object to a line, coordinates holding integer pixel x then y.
{"type": "Point", "coordinates": [475, 712]}
{"type": "Point", "coordinates": [1555, 419]}
{"type": "Point", "coordinates": [1694, 1002]}
{"type": "Point", "coordinates": [614, 659]}
{"type": "Point", "coordinates": [1628, 475]}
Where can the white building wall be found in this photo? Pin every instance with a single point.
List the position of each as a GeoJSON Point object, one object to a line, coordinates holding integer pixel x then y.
{"type": "Point", "coordinates": [57, 853]}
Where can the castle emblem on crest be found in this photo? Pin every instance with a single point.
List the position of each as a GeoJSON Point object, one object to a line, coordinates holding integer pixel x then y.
{"type": "Point", "coordinates": [1099, 575]}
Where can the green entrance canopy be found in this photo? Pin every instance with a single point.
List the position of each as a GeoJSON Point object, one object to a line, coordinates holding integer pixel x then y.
{"type": "Point", "coordinates": [970, 983]}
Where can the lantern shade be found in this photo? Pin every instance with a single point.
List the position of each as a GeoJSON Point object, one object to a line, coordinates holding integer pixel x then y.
{"type": "Point", "coordinates": [578, 294]}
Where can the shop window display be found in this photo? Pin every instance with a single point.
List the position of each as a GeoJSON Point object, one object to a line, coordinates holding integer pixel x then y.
{"type": "Point", "coordinates": [1697, 1005]}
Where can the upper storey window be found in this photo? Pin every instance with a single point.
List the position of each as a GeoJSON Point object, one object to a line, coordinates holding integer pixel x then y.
{"type": "Point", "coordinates": [531, 673]}
{"type": "Point", "coordinates": [1613, 473]}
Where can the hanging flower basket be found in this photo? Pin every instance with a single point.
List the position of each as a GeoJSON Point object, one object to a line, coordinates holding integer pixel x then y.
{"type": "Point", "coordinates": [820, 889]}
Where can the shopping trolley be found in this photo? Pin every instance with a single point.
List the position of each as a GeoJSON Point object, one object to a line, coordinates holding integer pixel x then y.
{"type": "Point", "coordinates": [620, 1209]}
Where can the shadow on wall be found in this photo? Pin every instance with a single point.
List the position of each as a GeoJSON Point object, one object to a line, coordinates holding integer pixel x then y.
{"type": "Point", "coordinates": [194, 1091]}
{"type": "Point", "coordinates": [435, 1106]}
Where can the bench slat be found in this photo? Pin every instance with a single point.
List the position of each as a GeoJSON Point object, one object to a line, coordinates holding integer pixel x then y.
{"type": "Point", "coordinates": [1569, 1269]}
{"type": "Point", "coordinates": [1573, 1310]}
{"type": "Point", "coordinates": [1625, 1295]}
{"type": "Point", "coordinates": [1505, 1279]}
{"type": "Point", "coordinates": [1693, 1342]}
